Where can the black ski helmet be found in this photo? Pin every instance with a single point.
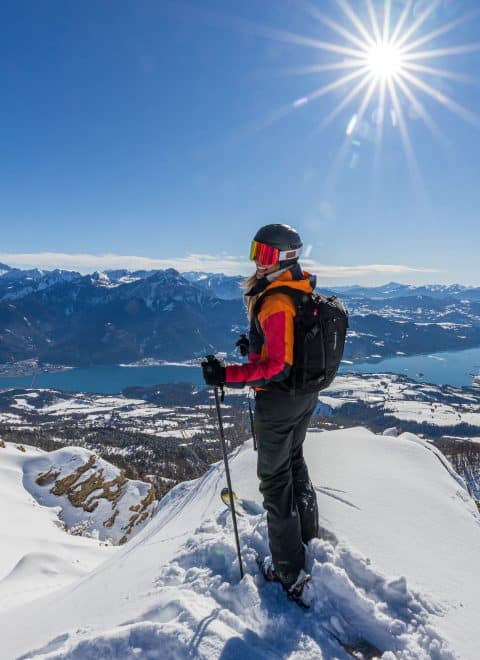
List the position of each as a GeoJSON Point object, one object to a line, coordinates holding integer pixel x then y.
{"type": "Point", "coordinates": [283, 237]}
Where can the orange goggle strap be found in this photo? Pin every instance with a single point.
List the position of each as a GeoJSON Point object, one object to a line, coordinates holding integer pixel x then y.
{"type": "Point", "coordinates": [268, 255]}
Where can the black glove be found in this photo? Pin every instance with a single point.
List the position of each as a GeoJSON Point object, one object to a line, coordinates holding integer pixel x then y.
{"type": "Point", "coordinates": [243, 345]}
{"type": "Point", "coordinates": [213, 371]}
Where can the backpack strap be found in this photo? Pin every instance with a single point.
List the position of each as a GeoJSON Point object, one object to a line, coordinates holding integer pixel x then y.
{"type": "Point", "coordinates": [296, 295]}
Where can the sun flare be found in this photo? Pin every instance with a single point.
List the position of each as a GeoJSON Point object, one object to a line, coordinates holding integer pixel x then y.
{"type": "Point", "coordinates": [384, 61]}
{"type": "Point", "coordinates": [393, 61]}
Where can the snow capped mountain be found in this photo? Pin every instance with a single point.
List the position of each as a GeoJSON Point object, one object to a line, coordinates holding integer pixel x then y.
{"type": "Point", "coordinates": [222, 286]}
{"type": "Point", "coordinates": [395, 565]}
{"type": "Point", "coordinates": [165, 287]}
{"type": "Point", "coordinates": [396, 290]}
{"type": "Point", "coordinates": [226, 287]}
{"type": "Point", "coordinates": [101, 279]}
{"type": "Point", "coordinates": [61, 317]}
{"type": "Point", "coordinates": [123, 276]}
{"type": "Point", "coordinates": [92, 320]}
{"type": "Point", "coordinates": [16, 284]}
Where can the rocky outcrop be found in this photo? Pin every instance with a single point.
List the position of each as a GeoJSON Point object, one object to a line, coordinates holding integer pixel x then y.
{"type": "Point", "coordinates": [96, 498]}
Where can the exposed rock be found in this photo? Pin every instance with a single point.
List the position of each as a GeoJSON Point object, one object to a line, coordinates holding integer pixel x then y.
{"type": "Point", "coordinates": [96, 498]}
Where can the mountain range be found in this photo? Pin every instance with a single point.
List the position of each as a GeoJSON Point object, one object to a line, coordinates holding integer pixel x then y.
{"type": "Point", "coordinates": [65, 318]}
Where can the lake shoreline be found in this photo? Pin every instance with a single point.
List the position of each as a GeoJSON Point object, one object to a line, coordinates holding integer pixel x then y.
{"type": "Point", "coordinates": [32, 367]}
{"type": "Point", "coordinates": [456, 368]}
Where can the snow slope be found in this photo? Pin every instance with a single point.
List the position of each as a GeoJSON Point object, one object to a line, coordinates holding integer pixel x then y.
{"type": "Point", "coordinates": [396, 564]}
{"type": "Point", "coordinates": [95, 497]}
{"type": "Point", "coordinates": [36, 556]}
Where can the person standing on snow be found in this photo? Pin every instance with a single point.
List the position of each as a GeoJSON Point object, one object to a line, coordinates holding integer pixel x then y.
{"type": "Point", "coordinates": [281, 414]}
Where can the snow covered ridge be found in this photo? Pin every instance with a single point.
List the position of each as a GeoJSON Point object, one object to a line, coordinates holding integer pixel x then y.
{"type": "Point", "coordinates": [93, 497]}
{"type": "Point", "coordinates": [37, 555]}
{"type": "Point", "coordinates": [228, 286]}
{"type": "Point", "coordinates": [396, 565]}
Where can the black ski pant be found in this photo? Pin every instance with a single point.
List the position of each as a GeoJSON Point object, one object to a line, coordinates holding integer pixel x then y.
{"type": "Point", "coordinates": [281, 422]}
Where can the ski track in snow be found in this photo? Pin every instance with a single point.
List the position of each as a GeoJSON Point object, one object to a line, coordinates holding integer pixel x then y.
{"type": "Point", "coordinates": [203, 610]}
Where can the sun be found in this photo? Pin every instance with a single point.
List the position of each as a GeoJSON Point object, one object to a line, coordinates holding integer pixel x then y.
{"type": "Point", "coordinates": [392, 60]}
{"type": "Point", "coordinates": [384, 61]}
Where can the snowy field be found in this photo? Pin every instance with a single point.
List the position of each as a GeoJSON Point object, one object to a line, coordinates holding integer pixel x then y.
{"type": "Point", "coordinates": [455, 410]}
{"type": "Point", "coordinates": [405, 400]}
{"type": "Point", "coordinates": [32, 408]}
{"type": "Point", "coordinates": [396, 565]}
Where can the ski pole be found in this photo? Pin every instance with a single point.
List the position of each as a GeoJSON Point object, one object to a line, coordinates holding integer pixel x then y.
{"type": "Point", "coordinates": [229, 483]}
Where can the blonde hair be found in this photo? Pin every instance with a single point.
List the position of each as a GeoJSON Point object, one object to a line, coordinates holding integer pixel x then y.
{"type": "Point", "coordinates": [250, 282]}
{"type": "Point", "coordinates": [250, 301]}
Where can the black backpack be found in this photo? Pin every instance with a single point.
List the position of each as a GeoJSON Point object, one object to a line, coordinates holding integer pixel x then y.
{"type": "Point", "coordinates": [320, 329]}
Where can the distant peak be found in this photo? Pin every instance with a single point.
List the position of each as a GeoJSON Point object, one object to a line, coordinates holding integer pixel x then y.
{"type": "Point", "coordinates": [100, 276]}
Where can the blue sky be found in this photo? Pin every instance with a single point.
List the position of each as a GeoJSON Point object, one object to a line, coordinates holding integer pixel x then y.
{"type": "Point", "coordinates": [150, 133]}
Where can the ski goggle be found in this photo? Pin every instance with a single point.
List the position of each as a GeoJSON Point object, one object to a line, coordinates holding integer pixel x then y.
{"type": "Point", "coordinates": [266, 255]}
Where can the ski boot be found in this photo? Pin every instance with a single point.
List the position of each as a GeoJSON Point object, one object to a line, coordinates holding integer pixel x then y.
{"type": "Point", "coordinates": [298, 592]}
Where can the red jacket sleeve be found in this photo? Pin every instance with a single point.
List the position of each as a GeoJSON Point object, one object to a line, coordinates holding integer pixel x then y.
{"type": "Point", "coordinates": [277, 329]}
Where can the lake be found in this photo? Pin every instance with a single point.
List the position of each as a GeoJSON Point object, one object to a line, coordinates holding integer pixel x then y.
{"type": "Point", "coordinates": [107, 379]}
{"type": "Point", "coordinates": [448, 368]}
{"type": "Point", "coordinates": [452, 368]}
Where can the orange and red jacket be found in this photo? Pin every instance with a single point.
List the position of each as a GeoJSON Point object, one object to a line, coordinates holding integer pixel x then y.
{"type": "Point", "coordinates": [272, 356]}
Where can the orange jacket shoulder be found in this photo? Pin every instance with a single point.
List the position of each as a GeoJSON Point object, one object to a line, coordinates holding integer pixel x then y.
{"type": "Point", "coordinates": [277, 302]}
